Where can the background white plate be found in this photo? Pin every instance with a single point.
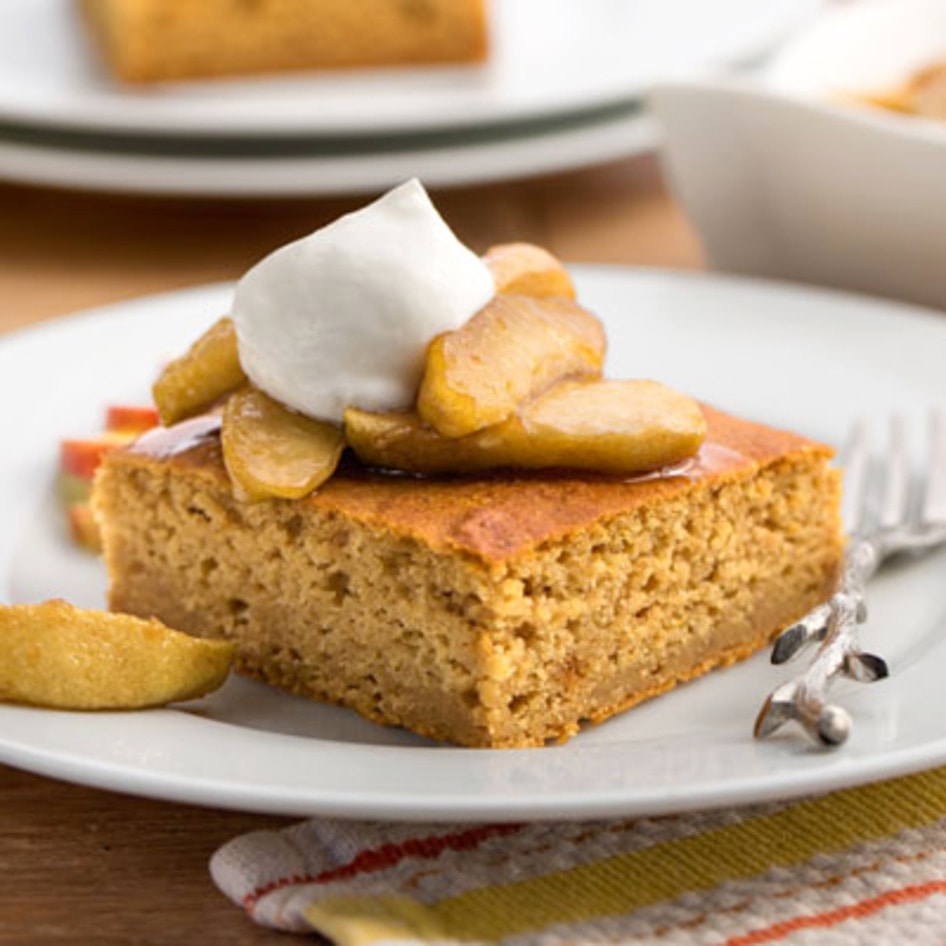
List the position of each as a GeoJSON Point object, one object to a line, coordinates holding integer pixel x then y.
{"type": "Point", "coordinates": [549, 56]}
{"type": "Point", "coordinates": [464, 160]}
{"type": "Point", "coordinates": [805, 359]}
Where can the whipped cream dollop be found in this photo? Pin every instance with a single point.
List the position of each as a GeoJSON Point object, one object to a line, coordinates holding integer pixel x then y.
{"type": "Point", "coordinates": [343, 317]}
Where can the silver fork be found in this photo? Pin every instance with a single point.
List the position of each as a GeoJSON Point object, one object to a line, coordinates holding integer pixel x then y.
{"type": "Point", "coordinates": [886, 515]}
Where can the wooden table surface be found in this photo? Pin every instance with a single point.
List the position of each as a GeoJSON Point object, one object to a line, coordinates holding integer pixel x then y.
{"type": "Point", "coordinates": [90, 867]}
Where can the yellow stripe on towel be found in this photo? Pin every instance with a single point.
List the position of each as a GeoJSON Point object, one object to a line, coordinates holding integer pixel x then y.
{"type": "Point", "coordinates": [625, 882]}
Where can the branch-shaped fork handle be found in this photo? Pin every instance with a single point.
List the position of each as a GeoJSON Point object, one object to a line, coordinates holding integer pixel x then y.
{"type": "Point", "coordinates": [903, 520]}
{"type": "Point", "coordinates": [835, 624]}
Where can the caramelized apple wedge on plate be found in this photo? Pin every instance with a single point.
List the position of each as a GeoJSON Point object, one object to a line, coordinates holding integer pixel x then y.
{"type": "Point", "coordinates": [62, 657]}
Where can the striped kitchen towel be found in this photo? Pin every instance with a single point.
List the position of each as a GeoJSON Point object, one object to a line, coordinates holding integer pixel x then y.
{"type": "Point", "coordinates": [865, 865]}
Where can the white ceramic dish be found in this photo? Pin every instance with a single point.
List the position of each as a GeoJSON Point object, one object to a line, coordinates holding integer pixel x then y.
{"type": "Point", "coordinates": [746, 346]}
{"type": "Point", "coordinates": [468, 160]}
{"type": "Point", "coordinates": [783, 176]}
{"type": "Point", "coordinates": [548, 57]}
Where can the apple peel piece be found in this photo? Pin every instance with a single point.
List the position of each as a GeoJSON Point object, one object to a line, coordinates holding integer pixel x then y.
{"type": "Point", "coordinates": [207, 371]}
{"type": "Point", "coordinates": [528, 270]}
{"type": "Point", "coordinates": [273, 452]}
{"type": "Point", "coordinates": [131, 419]}
{"type": "Point", "coordinates": [57, 656]}
{"type": "Point", "coordinates": [614, 427]}
{"type": "Point", "coordinates": [81, 458]}
{"type": "Point", "coordinates": [514, 348]}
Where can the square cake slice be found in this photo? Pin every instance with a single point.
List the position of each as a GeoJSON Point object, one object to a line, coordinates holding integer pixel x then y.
{"type": "Point", "coordinates": [162, 40]}
{"type": "Point", "coordinates": [499, 611]}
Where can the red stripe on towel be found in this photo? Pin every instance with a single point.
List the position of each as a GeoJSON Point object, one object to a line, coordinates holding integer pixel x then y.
{"type": "Point", "coordinates": [830, 918]}
{"type": "Point", "coordinates": [372, 860]}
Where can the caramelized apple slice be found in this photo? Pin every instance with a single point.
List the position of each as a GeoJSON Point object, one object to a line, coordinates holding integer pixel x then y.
{"type": "Point", "coordinates": [528, 270]}
{"type": "Point", "coordinates": [62, 657]}
{"type": "Point", "coordinates": [512, 349]}
{"type": "Point", "coordinates": [194, 382]}
{"type": "Point", "coordinates": [611, 426]}
{"type": "Point", "coordinates": [400, 440]}
{"type": "Point", "coordinates": [271, 451]}
{"type": "Point", "coordinates": [620, 427]}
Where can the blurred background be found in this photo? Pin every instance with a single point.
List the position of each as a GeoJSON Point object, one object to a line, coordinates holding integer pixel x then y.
{"type": "Point", "coordinates": [141, 152]}
{"type": "Point", "coordinates": [115, 183]}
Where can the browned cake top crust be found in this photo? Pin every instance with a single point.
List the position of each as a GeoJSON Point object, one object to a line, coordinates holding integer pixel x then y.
{"type": "Point", "coordinates": [497, 517]}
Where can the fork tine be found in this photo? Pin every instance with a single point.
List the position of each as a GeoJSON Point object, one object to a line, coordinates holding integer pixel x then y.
{"type": "Point", "coordinates": [934, 499]}
{"type": "Point", "coordinates": [896, 482]}
{"type": "Point", "coordinates": [855, 459]}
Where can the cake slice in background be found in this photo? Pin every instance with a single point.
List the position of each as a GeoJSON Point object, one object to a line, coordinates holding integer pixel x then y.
{"type": "Point", "coordinates": [158, 40]}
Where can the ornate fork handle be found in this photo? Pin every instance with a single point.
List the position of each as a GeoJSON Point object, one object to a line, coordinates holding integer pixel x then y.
{"type": "Point", "coordinates": [835, 624]}
{"type": "Point", "coordinates": [896, 525]}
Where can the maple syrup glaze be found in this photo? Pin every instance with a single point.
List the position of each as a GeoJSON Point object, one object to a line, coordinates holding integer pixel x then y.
{"type": "Point", "coordinates": [164, 442]}
{"type": "Point", "coordinates": [711, 458]}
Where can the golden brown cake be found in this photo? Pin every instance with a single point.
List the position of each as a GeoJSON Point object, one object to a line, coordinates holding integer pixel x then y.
{"type": "Point", "coordinates": [496, 610]}
{"type": "Point", "coordinates": [156, 40]}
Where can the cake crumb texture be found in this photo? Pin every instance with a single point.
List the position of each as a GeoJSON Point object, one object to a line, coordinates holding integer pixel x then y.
{"type": "Point", "coordinates": [417, 604]}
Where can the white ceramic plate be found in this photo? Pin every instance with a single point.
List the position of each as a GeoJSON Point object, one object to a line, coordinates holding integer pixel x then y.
{"type": "Point", "coordinates": [549, 57]}
{"type": "Point", "coordinates": [805, 359]}
{"type": "Point", "coordinates": [465, 159]}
